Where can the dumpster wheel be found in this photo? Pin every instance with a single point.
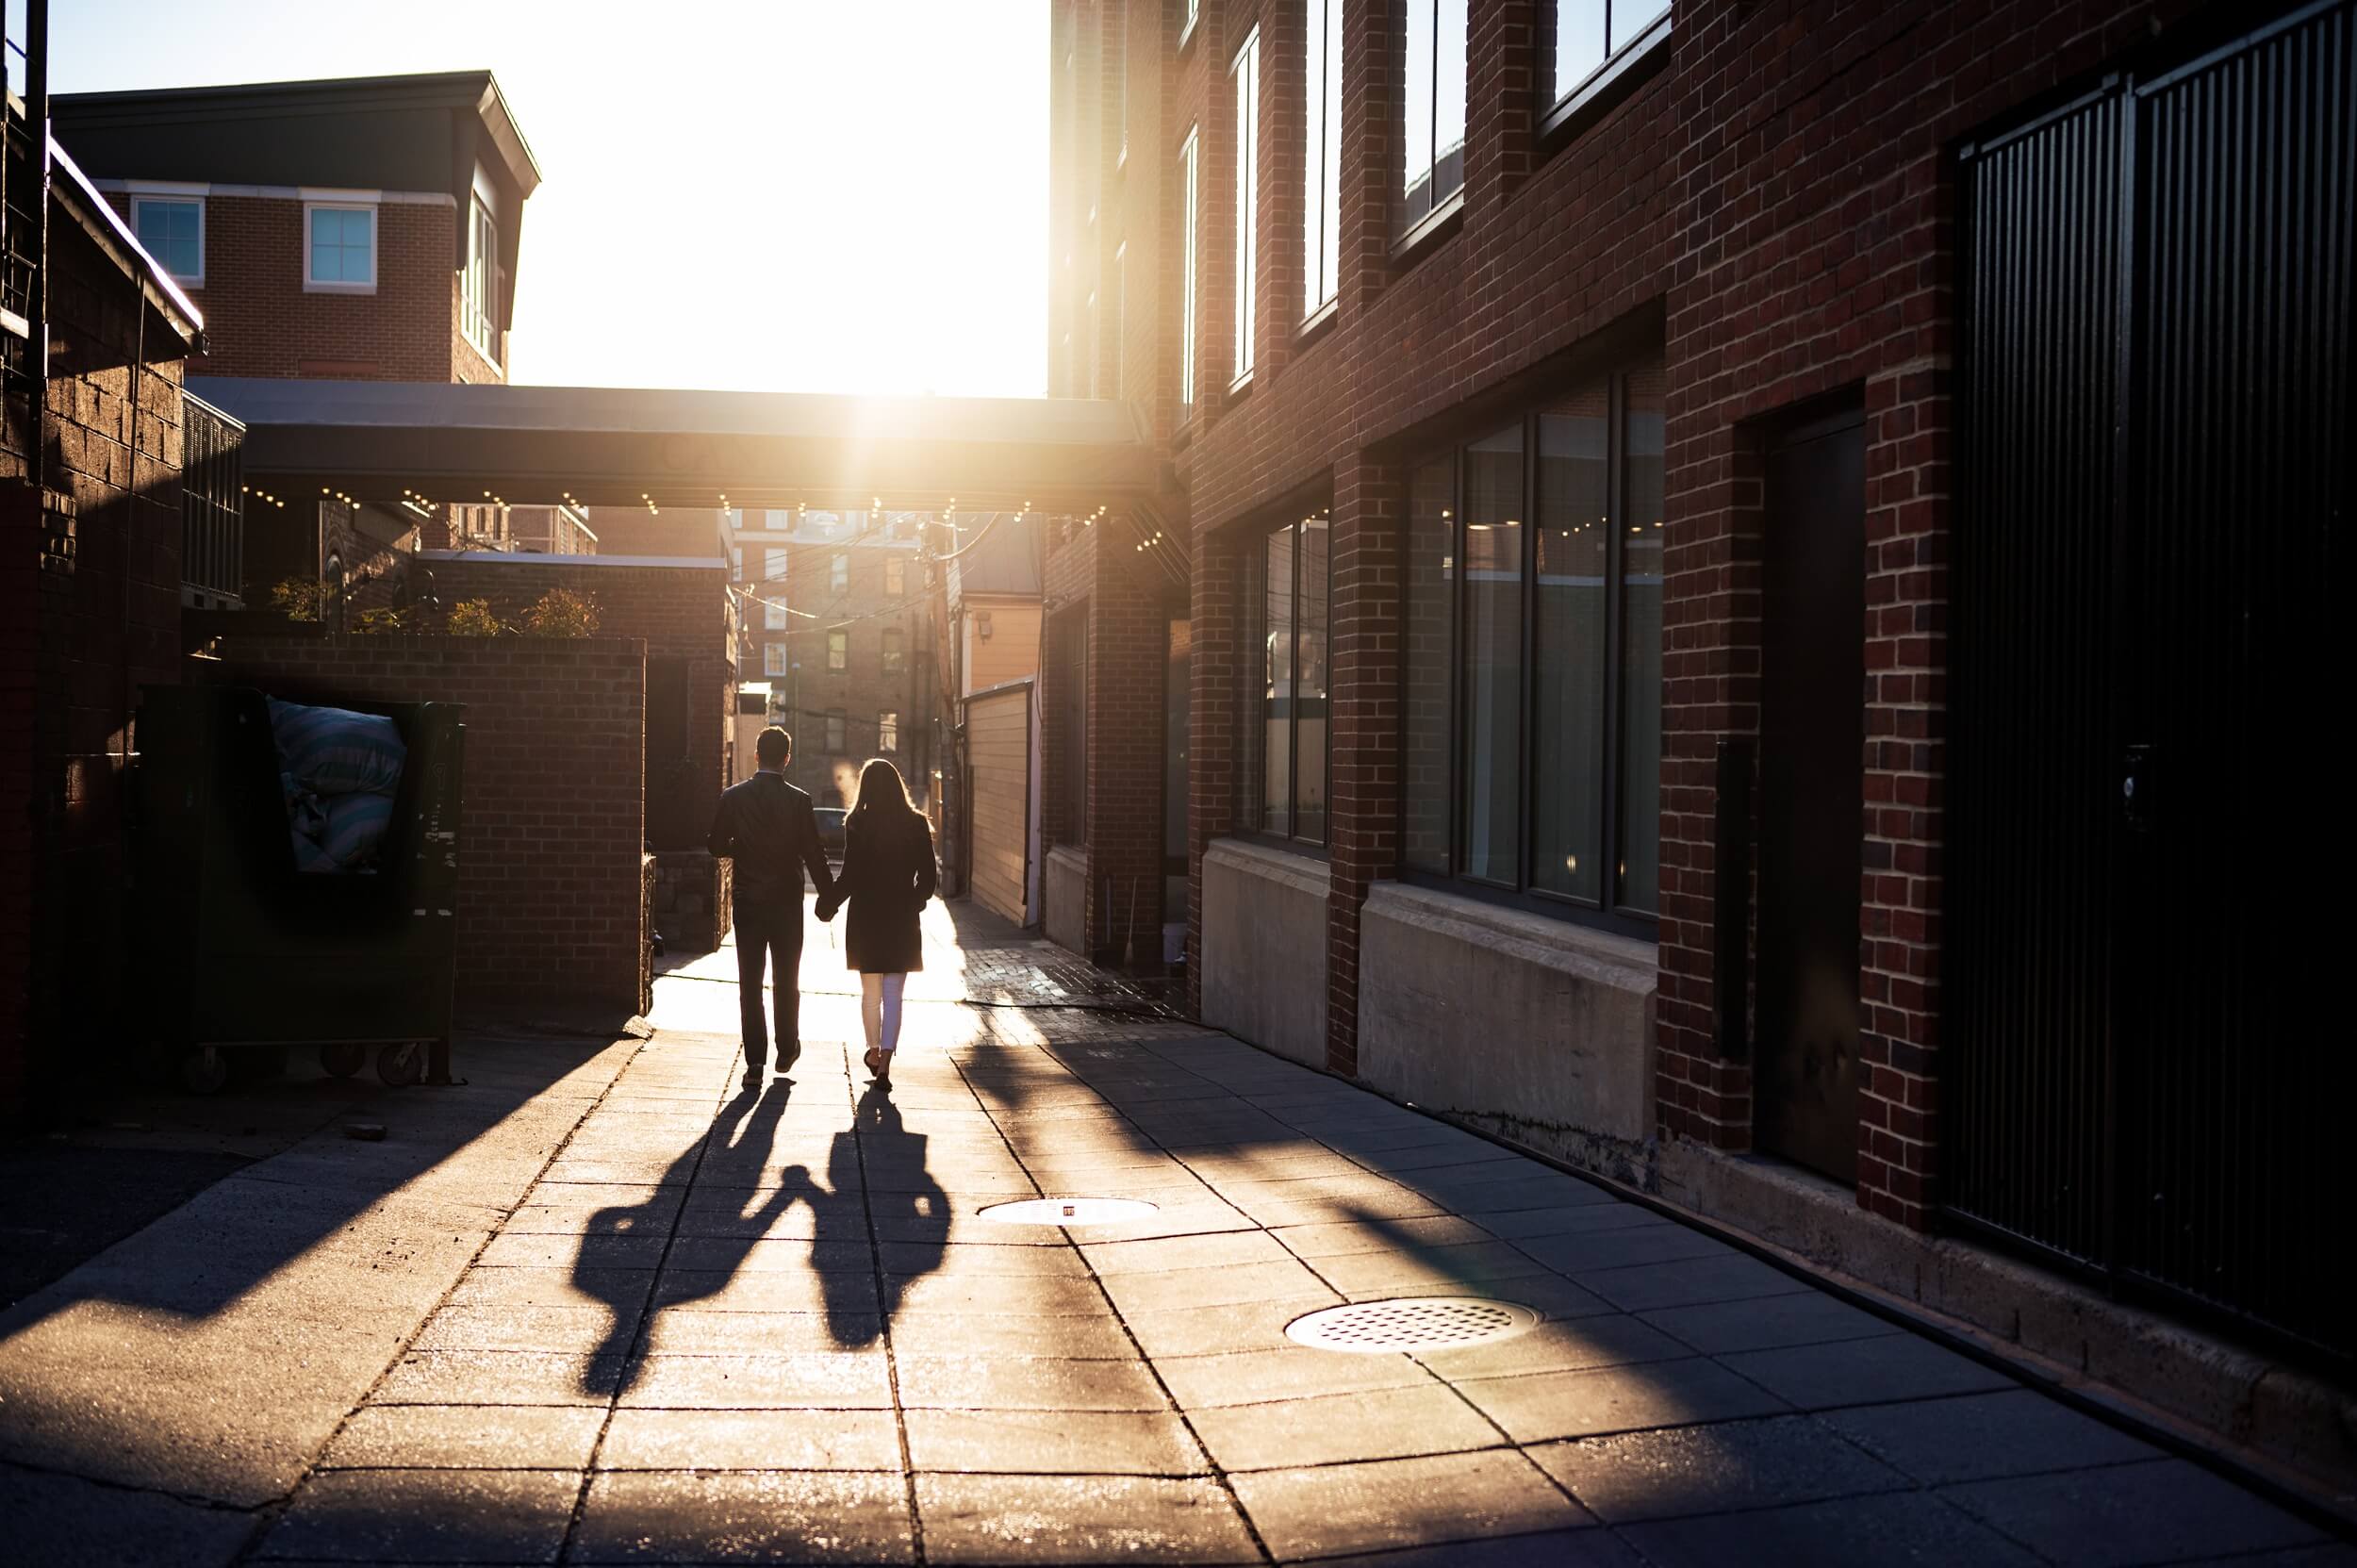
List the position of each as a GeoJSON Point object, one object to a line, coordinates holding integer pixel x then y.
{"type": "Point", "coordinates": [342, 1058]}
{"type": "Point", "coordinates": [400, 1066]}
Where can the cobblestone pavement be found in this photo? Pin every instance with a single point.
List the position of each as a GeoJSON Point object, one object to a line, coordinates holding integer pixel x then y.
{"type": "Point", "coordinates": [726, 1327]}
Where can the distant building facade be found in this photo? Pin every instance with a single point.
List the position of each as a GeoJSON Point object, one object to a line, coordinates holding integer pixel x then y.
{"type": "Point", "coordinates": [837, 622]}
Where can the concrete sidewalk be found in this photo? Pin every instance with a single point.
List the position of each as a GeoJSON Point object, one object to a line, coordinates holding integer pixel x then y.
{"type": "Point", "coordinates": [721, 1327]}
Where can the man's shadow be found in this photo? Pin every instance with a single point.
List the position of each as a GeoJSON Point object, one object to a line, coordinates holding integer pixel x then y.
{"type": "Point", "coordinates": [602, 1267]}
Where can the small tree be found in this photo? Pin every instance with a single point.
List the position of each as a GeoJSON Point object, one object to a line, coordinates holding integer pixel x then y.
{"type": "Point", "coordinates": [299, 598]}
{"type": "Point", "coordinates": [561, 613]}
{"type": "Point", "coordinates": [472, 618]}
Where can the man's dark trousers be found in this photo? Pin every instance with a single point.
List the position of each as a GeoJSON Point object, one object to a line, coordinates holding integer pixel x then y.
{"type": "Point", "coordinates": [771, 934]}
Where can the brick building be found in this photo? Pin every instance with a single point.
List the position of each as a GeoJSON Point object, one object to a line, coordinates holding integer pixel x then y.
{"type": "Point", "coordinates": [836, 620]}
{"type": "Point", "coordinates": [1583, 414]}
{"type": "Point", "coordinates": [90, 590]}
{"type": "Point", "coordinates": [364, 228]}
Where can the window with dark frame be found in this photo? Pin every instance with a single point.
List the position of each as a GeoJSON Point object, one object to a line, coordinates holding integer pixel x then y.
{"type": "Point", "coordinates": [1531, 702]}
{"type": "Point", "coordinates": [887, 731]}
{"type": "Point", "coordinates": [172, 229]}
{"type": "Point", "coordinates": [1586, 36]}
{"type": "Point", "coordinates": [895, 653]}
{"type": "Point", "coordinates": [1284, 711]}
{"type": "Point", "coordinates": [834, 732]}
{"type": "Point", "coordinates": [1432, 112]}
{"type": "Point", "coordinates": [838, 651]}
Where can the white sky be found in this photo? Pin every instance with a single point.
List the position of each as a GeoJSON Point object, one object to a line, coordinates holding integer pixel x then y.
{"type": "Point", "coordinates": [765, 195]}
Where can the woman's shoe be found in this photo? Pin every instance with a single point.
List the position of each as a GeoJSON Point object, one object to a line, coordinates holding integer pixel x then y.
{"type": "Point", "coordinates": [879, 1064]}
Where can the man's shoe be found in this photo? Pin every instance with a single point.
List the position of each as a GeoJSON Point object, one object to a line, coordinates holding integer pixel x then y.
{"type": "Point", "coordinates": [752, 1081]}
{"type": "Point", "coordinates": [787, 1056]}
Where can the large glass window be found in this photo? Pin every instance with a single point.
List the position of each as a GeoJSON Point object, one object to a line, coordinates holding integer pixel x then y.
{"type": "Point", "coordinates": [1245, 77]}
{"type": "Point", "coordinates": [173, 231]}
{"type": "Point", "coordinates": [340, 250]}
{"type": "Point", "coordinates": [1322, 158]}
{"type": "Point", "coordinates": [1532, 695]}
{"type": "Point", "coordinates": [1433, 125]}
{"type": "Point", "coordinates": [1188, 194]}
{"type": "Point", "coordinates": [1285, 708]}
{"type": "Point", "coordinates": [1588, 35]}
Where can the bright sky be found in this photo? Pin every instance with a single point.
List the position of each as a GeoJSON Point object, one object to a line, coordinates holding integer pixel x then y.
{"type": "Point", "coordinates": [768, 195]}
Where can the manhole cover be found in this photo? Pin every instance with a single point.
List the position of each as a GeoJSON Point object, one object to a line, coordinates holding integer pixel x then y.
{"type": "Point", "coordinates": [1410, 1323]}
{"type": "Point", "coordinates": [1070, 1211]}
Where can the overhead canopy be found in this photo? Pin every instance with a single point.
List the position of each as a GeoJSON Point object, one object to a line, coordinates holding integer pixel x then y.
{"type": "Point", "coordinates": [388, 442]}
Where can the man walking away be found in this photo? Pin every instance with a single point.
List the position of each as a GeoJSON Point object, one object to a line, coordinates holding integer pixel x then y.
{"type": "Point", "coordinates": [766, 826]}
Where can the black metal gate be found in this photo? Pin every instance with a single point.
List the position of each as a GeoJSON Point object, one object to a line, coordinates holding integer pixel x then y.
{"type": "Point", "coordinates": [2146, 1072]}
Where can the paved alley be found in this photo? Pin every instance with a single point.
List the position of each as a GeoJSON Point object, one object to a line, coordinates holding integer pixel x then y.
{"type": "Point", "coordinates": [721, 1327]}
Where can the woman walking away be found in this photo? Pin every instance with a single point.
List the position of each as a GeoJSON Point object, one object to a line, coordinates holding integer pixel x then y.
{"type": "Point", "coordinates": [886, 877]}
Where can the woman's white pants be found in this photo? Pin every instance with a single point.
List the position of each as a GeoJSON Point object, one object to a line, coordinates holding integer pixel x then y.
{"type": "Point", "coordinates": [880, 1009]}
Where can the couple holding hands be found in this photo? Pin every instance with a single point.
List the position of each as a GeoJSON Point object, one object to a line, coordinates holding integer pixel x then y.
{"type": "Point", "coordinates": [766, 828]}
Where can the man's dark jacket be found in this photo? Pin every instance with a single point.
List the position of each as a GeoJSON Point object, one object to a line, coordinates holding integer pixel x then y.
{"type": "Point", "coordinates": [766, 826]}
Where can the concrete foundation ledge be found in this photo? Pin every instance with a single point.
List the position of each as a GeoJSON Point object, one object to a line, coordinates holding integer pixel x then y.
{"type": "Point", "coordinates": [2269, 1415]}
{"type": "Point", "coordinates": [1066, 894]}
{"type": "Point", "coordinates": [1264, 913]}
{"type": "Point", "coordinates": [1534, 1026]}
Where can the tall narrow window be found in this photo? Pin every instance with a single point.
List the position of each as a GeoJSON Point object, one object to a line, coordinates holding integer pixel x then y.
{"type": "Point", "coordinates": [1246, 76]}
{"type": "Point", "coordinates": [895, 651]}
{"type": "Point", "coordinates": [1641, 459]}
{"type": "Point", "coordinates": [839, 573]}
{"type": "Point", "coordinates": [1432, 594]}
{"type": "Point", "coordinates": [1491, 651]}
{"type": "Point", "coordinates": [1284, 742]}
{"type": "Point", "coordinates": [897, 575]}
{"type": "Point", "coordinates": [1433, 127]}
{"type": "Point", "coordinates": [480, 295]}
{"type": "Point", "coordinates": [1322, 158]}
{"type": "Point", "coordinates": [1117, 28]}
{"type": "Point", "coordinates": [1590, 34]}
{"type": "Point", "coordinates": [773, 658]}
{"type": "Point", "coordinates": [834, 732]}
{"type": "Point", "coordinates": [773, 565]}
{"type": "Point", "coordinates": [887, 732]}
{"type": "Point", "coordinates": [838, 651]}
{"type": "Point", "coordinates": [1188, 194]}
{"type": "Point", "coordinates": [1120, 320]}
{"type": "Point", "coordinates": [773, 615]}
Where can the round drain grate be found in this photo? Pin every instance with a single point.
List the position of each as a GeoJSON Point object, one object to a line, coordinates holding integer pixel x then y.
{"type": "Point", "coordinates": [1410, 1323]}
{"type": "Point", "coordinates": [1070, 1211]}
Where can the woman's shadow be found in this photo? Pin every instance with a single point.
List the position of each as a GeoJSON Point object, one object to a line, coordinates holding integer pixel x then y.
{"type": "Point", "coordinates": [607, 1266]}
{"type": "Point", "coordinates": [883, 1195]}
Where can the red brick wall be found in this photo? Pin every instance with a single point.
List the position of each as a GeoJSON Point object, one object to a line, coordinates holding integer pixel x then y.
{"type": "Point", "coordinates": [1772, 206]}
{"type": "Point", "coordinates": [258, 321]}
{"type": "Point", "coordinates": [90, 609]}
{"type": "Point", "coordinates": [677, 612]}
{"type": "Point", "coordinates": [551, 900]}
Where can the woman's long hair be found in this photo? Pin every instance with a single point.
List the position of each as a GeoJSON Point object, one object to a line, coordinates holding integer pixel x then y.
{"type": "Point", "coordinates": [882, 792]}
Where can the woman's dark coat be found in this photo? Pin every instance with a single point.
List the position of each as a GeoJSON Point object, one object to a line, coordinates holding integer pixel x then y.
{"type": "Point", "coordinates": [887, 875]}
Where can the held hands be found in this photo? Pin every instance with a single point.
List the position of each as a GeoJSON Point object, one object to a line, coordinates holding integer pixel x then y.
{"type": "Point", "coordinates": [827, 907]}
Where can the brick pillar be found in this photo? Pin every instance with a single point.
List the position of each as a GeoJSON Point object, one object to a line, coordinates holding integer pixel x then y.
{"type": "Point", "coordinates": [1363, 709]}
{"type": "Point", "coordinates": [1710, 691]}
{"type": "Point", "coordinates": [1129, 603]}
{"type": "Point", "coordinates": [1212, 674]}
{"type": "Point", "coordinates": [1374, 76]}
{"type": "Point", "coordinates": [1501, 50]}
{"type": "Point", "coordinates": [1908, 419]}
